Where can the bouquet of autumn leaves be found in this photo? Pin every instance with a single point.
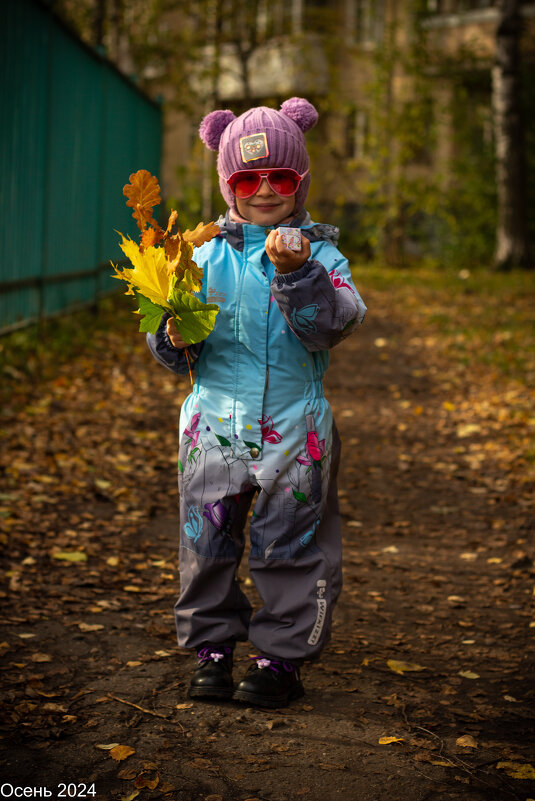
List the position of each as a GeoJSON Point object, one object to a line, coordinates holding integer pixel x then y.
{"type": "Point", "coordinates": [164, 276]}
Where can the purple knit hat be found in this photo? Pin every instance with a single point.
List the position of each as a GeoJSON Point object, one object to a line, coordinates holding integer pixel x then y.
{"type": "Point", "coordinates": [261, 137]}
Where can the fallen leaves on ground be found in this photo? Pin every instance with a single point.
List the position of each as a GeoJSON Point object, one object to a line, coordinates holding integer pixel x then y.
{"type": "Point", "coordinates": [466, 741]}
{"type": "Point", "coordinates": [517, 770]}
{"type": "Point", "coordinates": [438, 573]}
{"type": "Point", "coordinates": [468, 674]}
{"type": "Point", "coordinates": [70, 556]}
{"type": "Point", "coordinates": [120, 752]}
{"type": "Point", "coordinates": [404, 667]}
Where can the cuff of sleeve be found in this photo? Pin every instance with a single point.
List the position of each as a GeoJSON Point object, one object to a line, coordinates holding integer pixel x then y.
{"type": "Point", "coordinates": [167, 341]}
{"type": "Point", "coordinates": [297, 275]}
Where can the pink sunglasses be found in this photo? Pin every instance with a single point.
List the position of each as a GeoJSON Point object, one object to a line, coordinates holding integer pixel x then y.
{"type": "Point", "coordinates": [282, 180]}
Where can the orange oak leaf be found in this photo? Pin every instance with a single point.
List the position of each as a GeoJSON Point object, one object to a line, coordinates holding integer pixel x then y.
{"type": "Point", "coordinates": [173, 251]}
{"type": "Point", "coordinates": [151, 236]}
{"type": "Point", "coordinates": [143, 193]}
{"type": "Point", "coordinates": [173, 217]}
{"type": "Point", "coordinates": [204, 232]}
{"type": "Point", "coordinates": [180, 263]}
{"type": "Point", "coordinates": [186, 256]}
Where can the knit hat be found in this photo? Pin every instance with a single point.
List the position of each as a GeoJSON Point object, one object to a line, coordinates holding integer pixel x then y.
{"type": "Point", "coordinates": [261, 137]}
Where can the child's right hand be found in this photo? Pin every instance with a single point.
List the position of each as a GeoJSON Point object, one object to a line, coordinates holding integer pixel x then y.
{"type": "Point", "coordinates": [174, 336]}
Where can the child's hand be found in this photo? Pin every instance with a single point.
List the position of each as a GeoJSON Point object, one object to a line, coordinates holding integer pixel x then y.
{"type": "Point", "coordinates": [284, 259]}
{"type": "Point", "coordinates": [174, 336]}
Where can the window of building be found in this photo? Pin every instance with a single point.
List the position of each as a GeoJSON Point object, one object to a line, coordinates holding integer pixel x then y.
{"type": "Point", "coordinates": [365, 18]}
{"type": "Point", "coordinates": [357, 133]}
{"type": "Point", "coordinates": [277, 17]}
{"type": "Point", "coordinates": [457, 6]}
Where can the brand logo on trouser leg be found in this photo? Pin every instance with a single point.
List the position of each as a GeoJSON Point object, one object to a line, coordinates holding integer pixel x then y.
{"type": "Point", "coordinates": [321, 614]}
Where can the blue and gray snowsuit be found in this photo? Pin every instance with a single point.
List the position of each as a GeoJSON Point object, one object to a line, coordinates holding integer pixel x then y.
{"type": "Point", "coordinates": [257, 427]}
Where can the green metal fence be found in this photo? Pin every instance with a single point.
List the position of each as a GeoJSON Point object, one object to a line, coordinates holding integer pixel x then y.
{"type": "Point", "coordinates": [72, 129]}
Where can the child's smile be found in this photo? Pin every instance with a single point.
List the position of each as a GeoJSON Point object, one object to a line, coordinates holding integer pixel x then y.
{"type": "Point", "coordinates": [265, 207]}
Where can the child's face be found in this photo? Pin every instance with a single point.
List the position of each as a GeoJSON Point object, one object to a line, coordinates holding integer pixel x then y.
{"type": "Point", "coordinates": [265, 207]}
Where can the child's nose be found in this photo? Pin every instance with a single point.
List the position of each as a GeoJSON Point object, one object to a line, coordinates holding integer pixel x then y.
{"type": "Point", "coordinates": [264, 188]}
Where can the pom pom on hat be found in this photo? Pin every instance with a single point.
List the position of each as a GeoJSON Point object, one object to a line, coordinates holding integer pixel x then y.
{"type": "Point", "coordinates": [301, 112]}
{"type": "Point", "coordinates": [213, 125]}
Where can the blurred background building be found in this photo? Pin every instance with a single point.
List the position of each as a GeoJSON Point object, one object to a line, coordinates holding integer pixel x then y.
{"type": "Point", "coordinates": [425, 144]}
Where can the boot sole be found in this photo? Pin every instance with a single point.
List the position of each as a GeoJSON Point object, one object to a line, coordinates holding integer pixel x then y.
{"type": "Point", "coordinates": [210, 692]}
{"type": "Point", "coordinates": [270, 701]}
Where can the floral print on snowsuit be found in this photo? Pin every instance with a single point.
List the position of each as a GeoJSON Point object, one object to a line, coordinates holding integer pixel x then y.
{"type": "Point", "coordinates": [257, 431]}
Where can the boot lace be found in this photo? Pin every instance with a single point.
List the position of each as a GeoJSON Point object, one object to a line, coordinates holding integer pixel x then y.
{"type": "Point", "coordinates": [276, 666]}
{"type": "Point", "coordinates": [213, 654]}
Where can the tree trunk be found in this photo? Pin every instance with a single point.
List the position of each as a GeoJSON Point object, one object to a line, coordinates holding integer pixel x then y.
{"type": "Point", "coordinates": [99, 23]}
{"type": "Point", "coordinates": [214, 21]}
{"type": "Point", "coordinates": [246, 42]}
{"type": "Point", "coordinates": [393, 231]}
{"type": "Point", "coordinates": [512, 244]}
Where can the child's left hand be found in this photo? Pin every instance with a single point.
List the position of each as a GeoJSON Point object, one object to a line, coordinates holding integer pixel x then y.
{"type": "Point", "coordinates": [284, 259]}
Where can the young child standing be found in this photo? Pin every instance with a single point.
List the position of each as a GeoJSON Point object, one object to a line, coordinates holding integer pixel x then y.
{"type": "Point", "coordinates": [256, 429]}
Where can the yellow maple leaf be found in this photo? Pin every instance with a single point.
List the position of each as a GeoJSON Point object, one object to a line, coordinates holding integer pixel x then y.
{"type": "Point", "coordinates": [389, 740]}
{"type": "Point", "coordinates": [149, 275]}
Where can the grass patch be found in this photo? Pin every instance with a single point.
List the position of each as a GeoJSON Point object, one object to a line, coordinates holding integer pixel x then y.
{"type": "Point", "coordinates": [32, 355]}
{"type": "Point", "coordinates": [479, 316]}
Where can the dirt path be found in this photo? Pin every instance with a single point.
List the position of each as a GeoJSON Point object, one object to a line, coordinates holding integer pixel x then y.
{"type": "Point", "coordinates": [430, 645]}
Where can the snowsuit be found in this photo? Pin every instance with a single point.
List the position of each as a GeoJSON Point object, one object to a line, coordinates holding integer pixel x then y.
{"type": "Point", "coordinates": [257, 424]}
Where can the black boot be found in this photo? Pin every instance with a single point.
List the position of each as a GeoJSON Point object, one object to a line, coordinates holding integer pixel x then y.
{"type": "Point", "coordinates": [213, 674]}
{"type": "Point", "coordinates": [270, 683]}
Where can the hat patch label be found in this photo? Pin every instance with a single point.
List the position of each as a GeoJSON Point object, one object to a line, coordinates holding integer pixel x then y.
{"type": "Point", "coordinates": [254, 147]}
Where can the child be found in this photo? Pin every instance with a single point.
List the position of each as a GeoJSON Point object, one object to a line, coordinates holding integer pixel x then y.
{"type": "Point", "coordinates": [256, 429]}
